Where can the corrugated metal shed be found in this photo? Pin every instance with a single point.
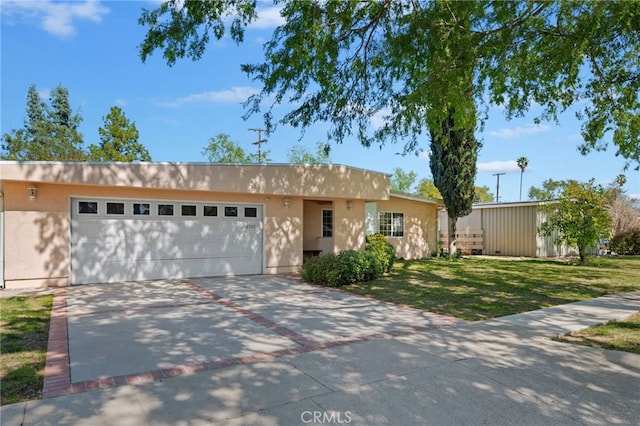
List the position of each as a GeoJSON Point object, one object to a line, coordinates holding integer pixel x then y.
{"type": "Point", "coordinates": [509, 229]}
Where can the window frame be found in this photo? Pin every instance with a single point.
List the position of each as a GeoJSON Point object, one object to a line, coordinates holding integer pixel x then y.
{"type": "Point", "coordinates": [388, 224]}
{"type": "Point", "coordinates": [326, 233]}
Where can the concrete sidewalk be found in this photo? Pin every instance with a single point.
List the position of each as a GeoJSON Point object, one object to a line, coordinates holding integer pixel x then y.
{"type": "Point", "coordinates": [501, 371]}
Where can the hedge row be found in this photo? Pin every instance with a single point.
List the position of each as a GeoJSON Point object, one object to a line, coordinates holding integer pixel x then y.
{"type": "Point", "coordinates": [351, 266]}
{"type": "Point", "coordinates": [627, 243]}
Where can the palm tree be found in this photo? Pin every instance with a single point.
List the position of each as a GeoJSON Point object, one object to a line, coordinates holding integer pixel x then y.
{"type": "Point", "coordinates": [522, 163]}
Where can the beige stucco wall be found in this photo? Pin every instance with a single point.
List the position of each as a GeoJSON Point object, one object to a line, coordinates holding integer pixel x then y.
{"type": "Point", "coordinates": [420, 227]}
{"type": "Point", "coordinates": [333, 181]}
{"type": "Point", "coordinates": [348, 225]}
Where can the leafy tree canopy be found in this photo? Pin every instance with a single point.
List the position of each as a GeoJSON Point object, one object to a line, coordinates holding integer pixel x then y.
{"type": "Point", "coordinates": [118, 140]}
{"type": "Point", "coordinates": [222, 149]}
{"type": "Point", "coordinates": [428, 189]}
{"type": "Point", "coordinates": [344, 61]}
{"type": "Point", "coordinates": [301, 155]}
{"type": "Point", "coordinates": [580, 217]}
{"type": "Point", "coordinates": [50, 131]}
{"type": "Point", "coordinates": [402, 181]}
{"type": "Point", "coordinates": [483, 195]}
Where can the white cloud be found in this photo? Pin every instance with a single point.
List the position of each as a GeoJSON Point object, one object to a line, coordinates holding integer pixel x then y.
{"type": "Point", "coordinates": [56, 18]}
{"type": "Point", "coordinates": [425, 155]}
{"type": "Point", "coordinates": [121, 102]}
{"type": "Point", "coordinates": [380, 118]}
{"type": "Point", "coordinates": [228, 96]}
{"type": "Point", "coordinates": [516, 132]}
{"type": "Point", "coordinates": [268, 17]}
{"type": "Point", "coordinates": [498, 166]}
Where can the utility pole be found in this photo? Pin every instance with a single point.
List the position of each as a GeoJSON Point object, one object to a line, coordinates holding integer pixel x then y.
{"type": "Point", "coordinates": [259, 142]}
{"type": "Point", "coordinates": [498, 186]}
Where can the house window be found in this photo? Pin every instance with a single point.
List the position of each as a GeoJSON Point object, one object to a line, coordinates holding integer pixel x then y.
{"type": "Point", "coordinates": [115, 208]}
{"type": "Point", "coordinates": [88, 207]}
{"type": "Point", "coordinates": [391, 224]}
{"type": "Point", "coordinates": [141, 209]}
{"type": "Point", "coordinates": [327, 223]}
{"type": "Point", "coordinates": [165, 209]}
{"type": "Point", "coordinates": [188, 210]}
{"type": "Point", "coordinates": [210, 210]}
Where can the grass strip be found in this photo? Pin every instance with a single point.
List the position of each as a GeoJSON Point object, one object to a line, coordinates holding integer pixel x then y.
{"type": "Point", "coordinates": [24, 332]}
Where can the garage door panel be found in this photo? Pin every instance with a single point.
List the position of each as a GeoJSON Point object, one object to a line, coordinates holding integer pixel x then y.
{"type": "Point", "coordinates": [106, 249]}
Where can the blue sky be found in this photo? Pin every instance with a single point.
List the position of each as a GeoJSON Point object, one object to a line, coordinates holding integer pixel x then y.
{"type": "Point", "coordinates": [91, 49]}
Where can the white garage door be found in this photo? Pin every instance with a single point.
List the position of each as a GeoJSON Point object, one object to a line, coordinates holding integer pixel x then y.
{"type": "Point", "coordinates": [130, 240]}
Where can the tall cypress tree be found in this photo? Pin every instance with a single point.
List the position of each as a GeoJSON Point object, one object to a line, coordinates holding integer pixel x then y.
{"type": "Point", "coordinates": [50, 133]}
{"type": "Point", "coordinates": [453, 165]}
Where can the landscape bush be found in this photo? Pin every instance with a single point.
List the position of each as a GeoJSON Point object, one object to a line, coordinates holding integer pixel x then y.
{"type": "Point", "coordinates": [626, 243]}
{"type": "Point", "coordinates": [350, 266]}
{"type": "Point", "coordinates": [378, 244]}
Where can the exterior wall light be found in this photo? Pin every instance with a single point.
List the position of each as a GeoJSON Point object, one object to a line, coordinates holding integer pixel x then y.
{"type": "Point", "coordinates": [287, 203]}
{"type": "Point", "coordinates": [349, 205]}
{"type": "Point", "coordinates": [32, 191]}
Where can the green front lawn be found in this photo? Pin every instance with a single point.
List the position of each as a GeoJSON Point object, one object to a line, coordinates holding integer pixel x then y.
{"type": "Point", "coordinates": [478, 288]}
{"type": "Point", "coordinates": [24, 332]}
{"type": "Point", "coordinates": [616, 335]}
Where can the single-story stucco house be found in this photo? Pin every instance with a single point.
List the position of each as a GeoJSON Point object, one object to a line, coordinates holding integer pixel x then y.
{"type": "Point", "coordinates": [75, 223]}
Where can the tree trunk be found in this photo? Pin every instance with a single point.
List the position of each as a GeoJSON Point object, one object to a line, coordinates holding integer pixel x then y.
{"type": "Point", "coordinates": [581, 253]}
{"type": "Point", "coordinates": [452, 235]}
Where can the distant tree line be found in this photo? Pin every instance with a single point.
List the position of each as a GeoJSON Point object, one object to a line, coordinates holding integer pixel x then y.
{"type": "Point", "coordinates": [50, 133]}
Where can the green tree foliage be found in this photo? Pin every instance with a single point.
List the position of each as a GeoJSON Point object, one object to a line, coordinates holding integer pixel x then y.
{"type": "Point", "coordinates": [118, 140]}
{"type": "Point", "coordinates": [344, 61]}
{"type": "Point", "coordinates": [301, 155]}
{"type": "Point", "coordinates": [550, 190]}
{"type": "Point", "coordinates": [453, 165]}
{"type": "Point", "coordinates": [402, 181]}
{"type": "Point", "coordinates": [482, 194]}
{"type": "Point", "coordinates": [430, 65]}
{"type": "Point", "coordinates": [50, 132]}
{"type": "Point", "coordinates": [222, 149]}
{"type": "Point", "coordinates": [428, 189]}
{"type": "Point", "coordinates": [579, 217]}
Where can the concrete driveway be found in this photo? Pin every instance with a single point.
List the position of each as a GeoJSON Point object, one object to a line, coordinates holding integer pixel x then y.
{"type": "Point", "coordinates": [272, 351]}
{"type": "Point", "coordinates": [118, 330]}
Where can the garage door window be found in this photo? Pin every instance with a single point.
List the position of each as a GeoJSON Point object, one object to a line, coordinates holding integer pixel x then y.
{"type": "Point", "coordinates": [115, 208]}
{"type": "Point", "coordinates": [231, 212]}
{"type": "Point", "coordinates": [210, 210]}
{"type": "Point", "coordinates": [188, 210]}
{"type": "Point", "coordinates": [165, 209]}
{"type": "Point", "coordinates": [87, 207]}
{"type": "Point", "coordinates": [141, 209]}
{"type": "Point", "coordinates": [250, 212]}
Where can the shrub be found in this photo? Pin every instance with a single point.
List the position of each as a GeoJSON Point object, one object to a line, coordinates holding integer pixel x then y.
{"type": "Point", "coordinates": [626, 243]}
{"type": "Point", "coordinates": [315, 269]}
{"type": "Point", "coordinates": [348, 267]}
{"type": "Point", "coordinates": [378, 245]}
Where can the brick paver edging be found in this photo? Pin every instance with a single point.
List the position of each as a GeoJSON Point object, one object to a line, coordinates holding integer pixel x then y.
{"type": "Point", "coordinates": [57, 375]}
{"type": "Point", "coordinates": [57, 379]}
